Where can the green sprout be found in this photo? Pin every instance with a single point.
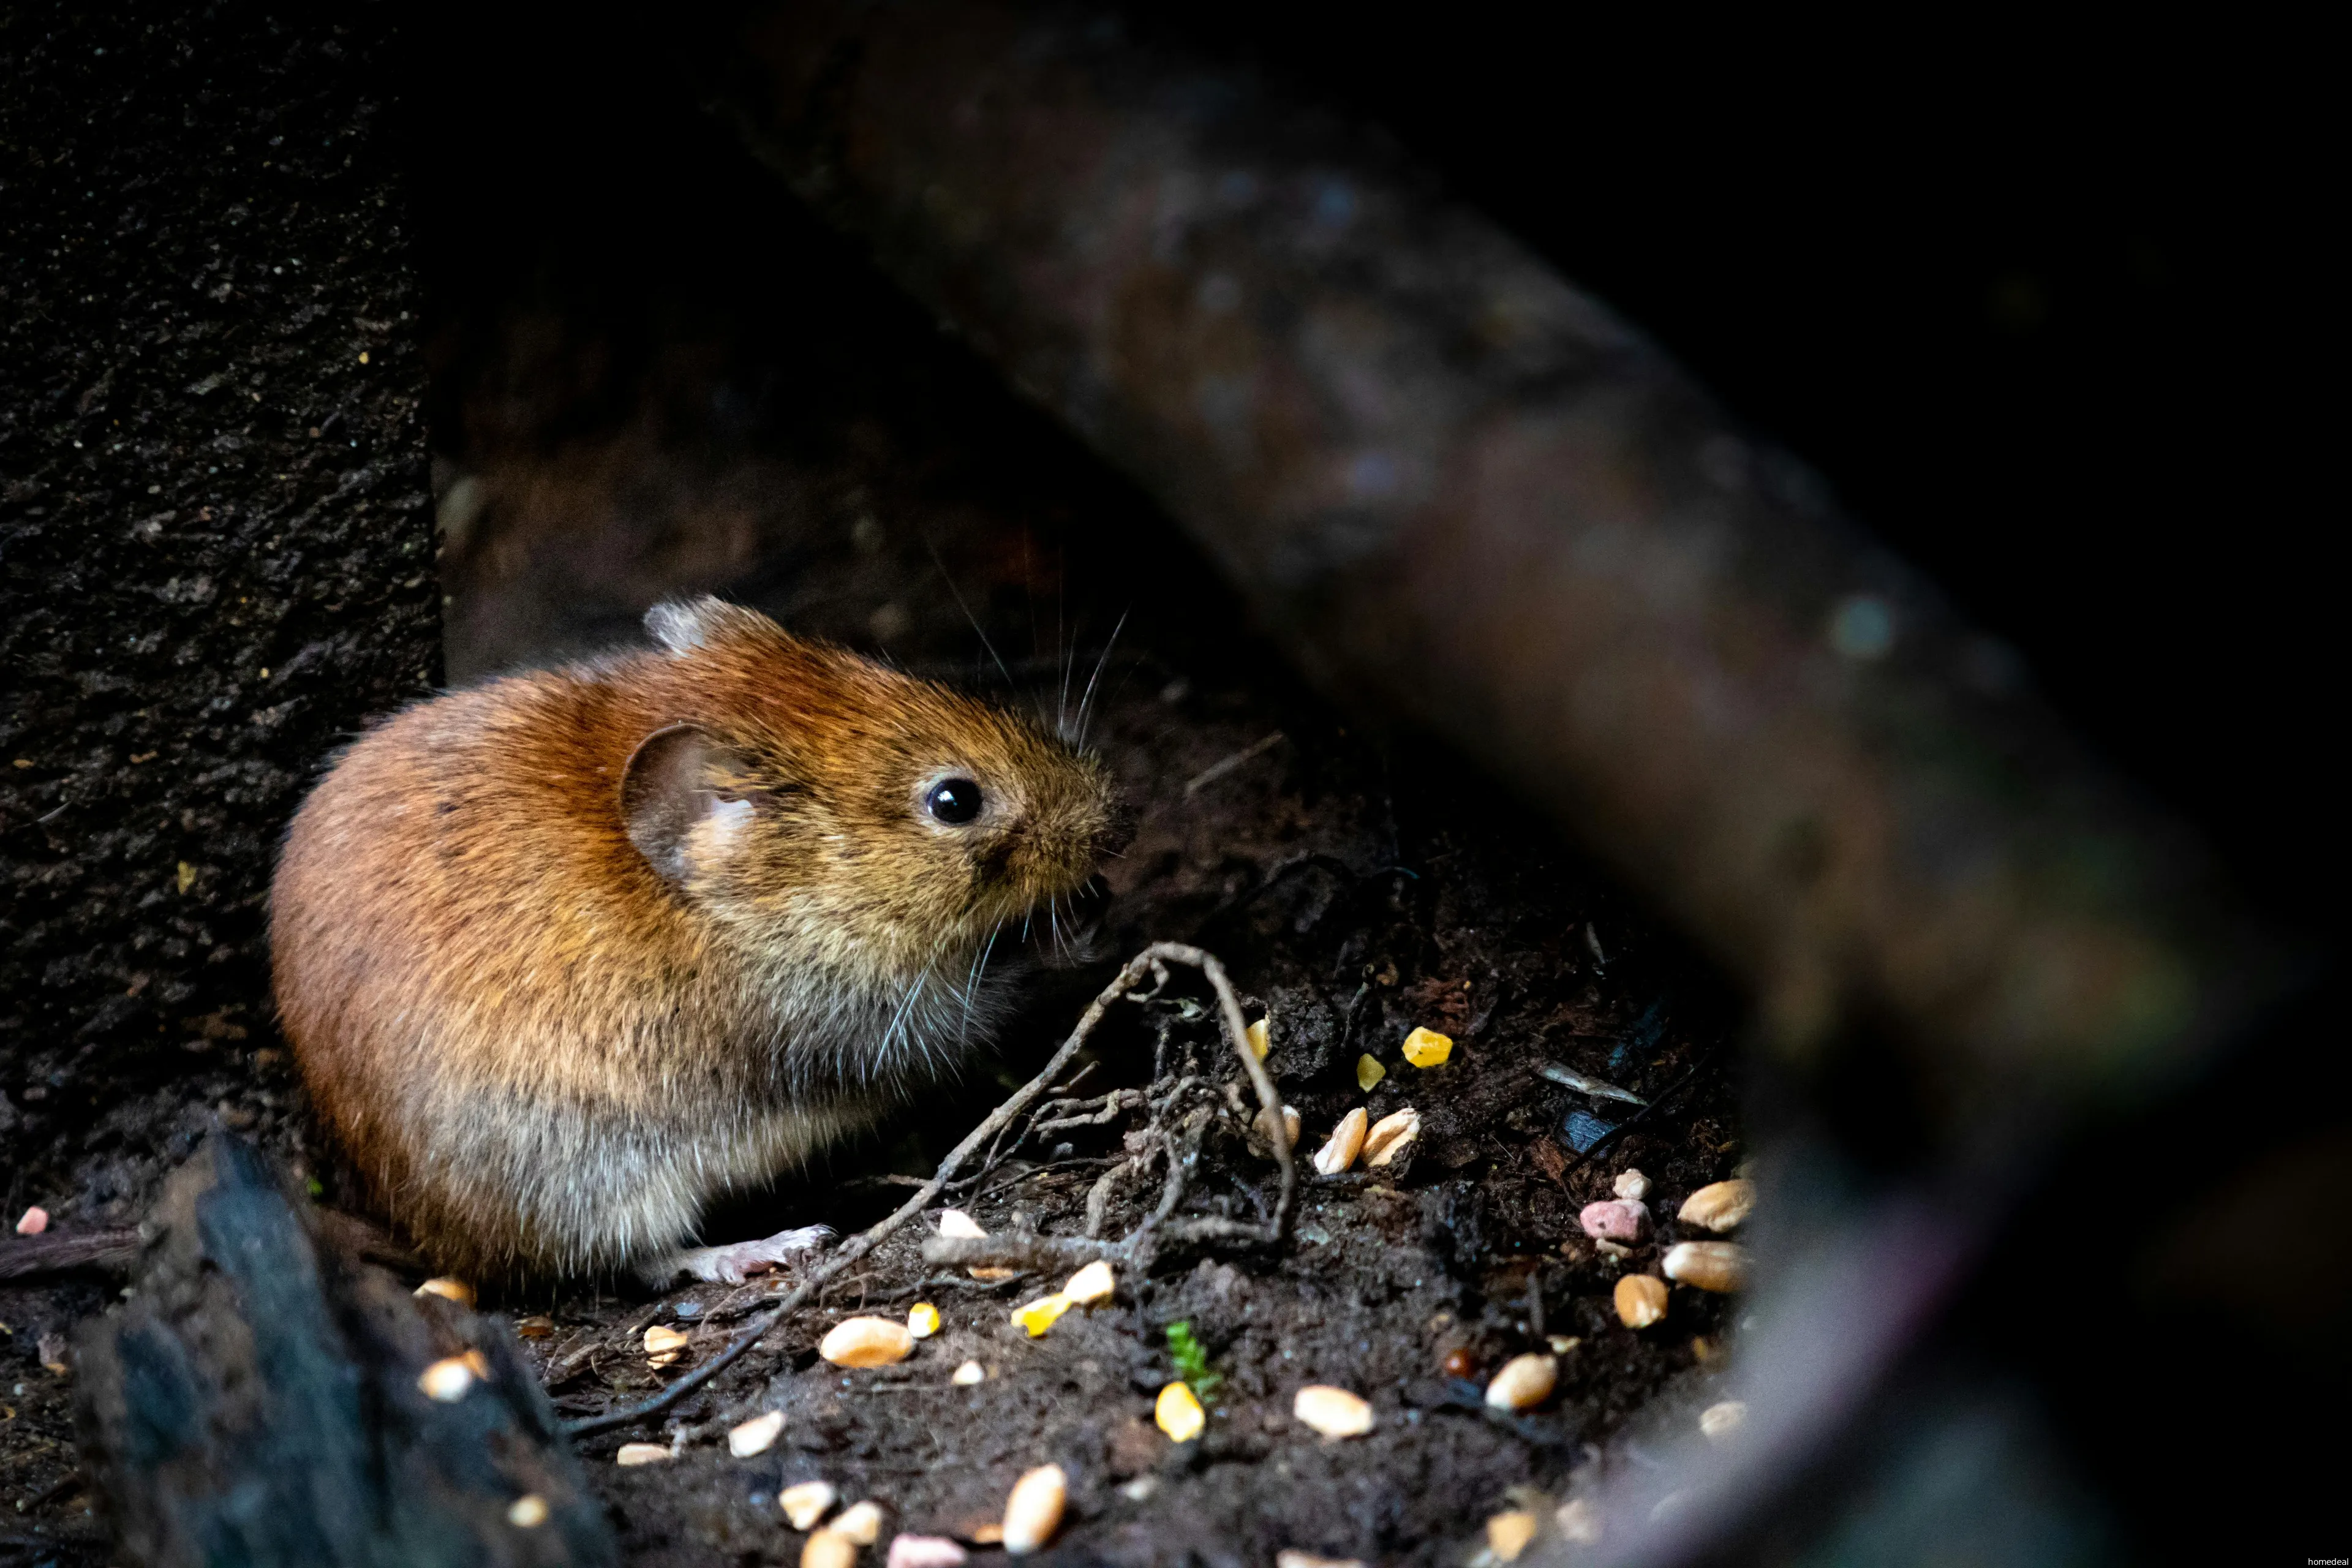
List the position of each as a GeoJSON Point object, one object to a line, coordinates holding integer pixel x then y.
{"type": "Point", "coordinates": [1192, 1360]}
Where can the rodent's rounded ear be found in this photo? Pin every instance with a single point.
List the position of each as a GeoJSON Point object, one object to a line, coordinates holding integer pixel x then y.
{"type": "Point", "coordinates": [667, 787]}
{"type": "Point", "coordinates": [682, 625]}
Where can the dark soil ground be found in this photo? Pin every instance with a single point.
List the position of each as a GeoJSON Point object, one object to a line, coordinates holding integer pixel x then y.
{"type": "Point", "coordinates": [206, 231]}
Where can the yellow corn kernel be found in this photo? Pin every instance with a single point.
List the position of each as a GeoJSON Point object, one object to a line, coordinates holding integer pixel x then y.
{"type": "Point", "coordinates": [922, 1320]}
{"type": "Point", "coordinates": [1427, 1048]}
{"type": "Point", "coordinates": [1041, 1314]}
{"type": "Point", "coordinates": [1178, 1414]}
{"type": "Point", "coordinates": [1368, 1073]}
{"type": "Point", "coordinates": [1259, 1042]}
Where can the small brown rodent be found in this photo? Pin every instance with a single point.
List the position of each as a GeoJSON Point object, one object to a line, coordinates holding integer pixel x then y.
{"type": "Point", "coordinates": [565, 956]}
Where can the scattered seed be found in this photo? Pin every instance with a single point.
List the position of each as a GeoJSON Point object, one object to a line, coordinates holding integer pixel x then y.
{"type": "Point", "coordinates": [1720, 1265]}
{"type": "Point", "coordinates": [1720, 1421]}
{"type": "Point", "coordinates": [1563, 1343]}
{"type": "Point", "coordinates": [1721, 1206]}
{"type": "Point", "coordinates": [1041, 1314]}
{"type": "Point", "coordinates": [1633, 1185]}
{"type": "Point", "coordinates": [528, 1512]}
{"type": "Point", "coordinates": [806, 1503]}
{"type": "Point", "coordinates": [866, 1342]}
{"type": "Point", "coordinates": [1291, 1557]}
{"type": "Point", "coordinates": [1347, 1141]}
{"type": "Point", "coordinates": [1259, 1042]}
{"type": "Point", "coordinates": [922, 1320]}
{"type": "Point", "coordinates": [1033, 1512]}
{"type": "Point", "coordinates": [1091, 1284]}
{"type": "Point", "coordinates": [539, 1327]}
{"type": "Point", "coordinates": [756, 1435]}
{"type": "Point", "coordinates": [1427, 1048]}
{"type": "Point", "coordinates": [1579, 1522]}
{"type": "Point", "coordinates": [1389, 1134]}
{"type": "Point", "coordinates": [1702, 1349]}
{"type": "Point", "coordinates": [1525, 1381]}
{"type": "Point", "coordinates": [828, 1549]}
{"type": "Point", "coordinates": [456, 1291]}
{"type": "Point", "coordinates": [962, 1226]}
{"type": "Point", "coordinates": [33, 1221]}
{"type": "Point", "coordinates": [1178, 1413]}
{"type": "Point", "coordinates": [989, 1534]}
{"type": "Point", "coordinates": [1641, 1299]}
{"type": "Point", "coordinates": [1460, 1361]}
{"type": "Point", "coordinates": [1508, 1534]}
{"type": "Point", "coordinates": [1611, 1250]}
{"type": "Point", "coordinates": [967, 1374]}
{"type": "Point", "coordinates": [1368, 1072]}
{"type": "Point", "coordinates": [1334, 1411]}
{"type": "Point", "coordinates": [641, 1454]}
{"type": "Point", "coordinates": [1568, 1077]}
{"type": "Point", "coordinates": [663, 1345]}
{"type": "Point", "coordinates": [925, 1551]}
{"type": "Point", "coordinates": [860, 1523]}
{"type": "Point", "coordinates": [1621, 1220]}
{"type": "Point", "coordinates": [447, 1380]}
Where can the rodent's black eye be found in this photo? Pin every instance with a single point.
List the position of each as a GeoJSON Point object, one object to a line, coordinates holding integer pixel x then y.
{"type": "Point", "coordinates": [953, 801]}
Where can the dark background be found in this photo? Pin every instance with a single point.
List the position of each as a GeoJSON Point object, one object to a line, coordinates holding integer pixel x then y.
{"type": "Point", "coordinates": [2045, 308]}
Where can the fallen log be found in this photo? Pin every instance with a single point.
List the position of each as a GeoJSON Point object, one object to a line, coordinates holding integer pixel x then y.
{"type": "Point", "coordinates": [257, 1401]}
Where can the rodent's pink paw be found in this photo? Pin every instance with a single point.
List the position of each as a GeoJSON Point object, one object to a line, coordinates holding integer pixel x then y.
{"type": "Point", "coordinates": [729, 1265]}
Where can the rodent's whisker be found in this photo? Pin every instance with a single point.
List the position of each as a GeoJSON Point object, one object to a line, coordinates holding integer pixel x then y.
{"type": "Point", "coordinates": [1085, 702]}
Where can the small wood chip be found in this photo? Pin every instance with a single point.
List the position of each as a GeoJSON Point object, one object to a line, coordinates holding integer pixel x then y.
{"type": "Point", "coordinates": [756, 1435]}
{"type": "Point", "coordinates": [1641, 1299]}
{"type": "Point", "coordinates": [641, 1454]}
{"type": "Point", "coordinates": [1033, 1512]}
{"type": "Point", "coordinates": [1427, 1048]}
{"type": "Point", "coordinates": [806, 1503]}
{"type": "Point", "coordinates": [1347, 1141]}
{"type": "Point", "coordinates": [1334, 1411]}
{"type": "Point", "coordinates": [866, 1342]}
{"type": "Point", "coordinates": [1178, 1413]}
{"type": "Point", "coordinates": [1719, 1207]}
{"type": "Point", "coordinates": [1718, 1266]}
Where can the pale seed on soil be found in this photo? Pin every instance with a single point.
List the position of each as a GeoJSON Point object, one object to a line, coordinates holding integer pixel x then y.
{"type": "Point", "coordinates": [1427, 1048]}
{"type": "Point", "coordinates": [1259, 1042]}
{"type": "Point", "coordinates": [1368, 1072]}
{"type": "Point", "coordinates": [663, 1345]}
{"type": "Point", "coordinates": [756, 1435]}
{"type": "Point", "coordinates": [456, 1291]}
{"type": "Point", "coordinates": [967, 1374]}
{"type": "Point", "coordinates": [641, 1454]}
{"type": "Point", "coordinates": [1579, 1522]}
{"type": "Point", "coordinates": [1389, 1135]}
{"type": "Point", "coordinates": [1033, 1512]}
{"type": "Point", "coordinates": [1178, 1413]}
{"type": "Point", "coordinates": [1720, 1265]}
{"type": "Point", "coordinates": [1525, 1381]}
{"type": "Point", "coordinates": [1719, 1207]}
{"type": "Point", "coordinates": [1041, 1314]}
{"type": "Point", "coordinates": [806, 1503]}
{"type": "Point", "coordinates": [1291, 1557]}
{"type": "Point", "coordinates": [447, 1380]}
{"type": "Point", "coordinates": [963, 1227]}
{"type": "Point", "coordinates": [1611, 1249]}
{"type": "Point", "coordinates": [1334, 1411]}
{"type": "Point", "coordinates": [1631, 1184]}
{"type": "Point", "coordinates": [860, 1523]}
{"type": "Point", "coordinates": [1091, 1284]}
{"type": "Point", "coordinates": [922, 1320]}
{"type": "Point", "coordinates": [1508, 1534]}
{"type": "Point", "coordinates": [866, 1342]}
{"type": "Point", "coordinates": [1720, 1421]}
{"type": "Point", "coordinates": [925, 1551]}
{"type": "Point", "coordinates": [826, 1548]}
{"type": "Point", "coordinates": [1641, 1299]}
{"type": "Point", "coordinates": [528, 1512]}
{"type": "Point", "coordinates": [1563, 1343]}
{"type": "Point", "coordinates": [1347, 1141]}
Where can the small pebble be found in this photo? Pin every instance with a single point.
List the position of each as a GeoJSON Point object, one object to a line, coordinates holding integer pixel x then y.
{"type": "Point", "coordinates": [641, 1454]}
{"type": "Point", "coordinates": [528, 1512]}
{"type": "Point", "coordinates": [33, 1221]}
{"type": "Point", "coordinates": [456, 1291]}
{"type": "Point", "coordinates": [924, 1552]}
{"type": "Point", "coordinates": [828, 1549]}
{"type": "Point", "coordinates": [1368, 1072]}
{"type": "Point", "coordinates": [967, 1374]}
{"type": "Point", "coordinates": [806, 1503]}
{"type": "Point", "coordinates": [1178, 1413]}
{"type": "Point", "coordinates": [1090, 1284]}
{"type": "Point", "coordinates": [1525, 1381]}
{"type": "Point", "coordinates": [1641, 1299]}
{"type": "Point", "coordinates": [1427, 1048]}
{"type": "Point", "coordinates": [1508, 1534]}
{"type": "Point", "coordinates": [1347, 1141]}
{"type": "Point", "coordinates": [922, 1320]}
{"type": "Point", "coordinates": [1388, 1136]}
{"type": "Point", "coordinates": [448, 1380]}
{"type": "Point", "coordinates": [1720, 1421]}
{"type": "Point", "coordinates": [860, 1523]}
{"type": "Point", "coordinates": [1334, 1411]}
{"type": "Point", "coordinates": [1631, 1184]}
{"type": "Point", "coordinates": [1719, 1207]}
{"type": "Point", "coordinates": [1033, 1512]}
{"type": "Point", "coordinates": [865, 1342]}
{"type": "Point", "coordinates": [663, 1345]}
{"type": "Point", "coordinates": [1041, 1314]}
{"type": "Point", "coordinates": [756, 1435]}
{"type": "Point", "coordinates": [1720, 1265]}
{"type": "Point", "coordinates": [1621, 1220]}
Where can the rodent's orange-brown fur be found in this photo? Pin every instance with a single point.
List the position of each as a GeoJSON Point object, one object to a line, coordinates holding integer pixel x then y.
{"type": "Point", "coordinates": [545, 1055]}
